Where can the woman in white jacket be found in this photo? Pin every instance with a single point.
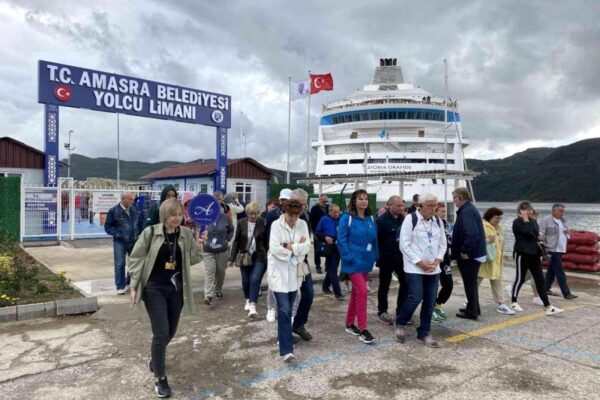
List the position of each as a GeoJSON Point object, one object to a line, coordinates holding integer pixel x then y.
{"type": "Point", "coordinates": [288, 244]}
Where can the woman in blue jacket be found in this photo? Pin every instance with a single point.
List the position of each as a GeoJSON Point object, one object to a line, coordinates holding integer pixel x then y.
{"type": "Point", "coordinates": [357, 244]}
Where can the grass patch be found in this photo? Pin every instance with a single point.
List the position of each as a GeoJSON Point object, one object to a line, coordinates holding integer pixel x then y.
{"type": "Point", "coordinates": [24, 281]}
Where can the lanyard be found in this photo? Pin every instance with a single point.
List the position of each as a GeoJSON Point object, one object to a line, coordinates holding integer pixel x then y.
{"type": "Point", "coordinates": [172, 247]}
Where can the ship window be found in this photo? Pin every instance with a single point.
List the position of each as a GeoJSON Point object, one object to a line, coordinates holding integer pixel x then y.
{"type": "Point", "coordinates": [354, 135]}
{"type": "Point", "coordinates": [364, 116]}
{"type": "Point", "coordinates": [355, 117]}
{"type": "Point", "coordinates": [374, 115]}
{"type": "Point", "coordinates": [401, 115]}
{"type": "Point", "coordinates": [393, 114]}
{"type": "Point", "coordinates": [347, 118]}
{"type": "Point", "coordinates": [335, 120]}
{"type": "Point", "coordinates": [357, 161]}
{"type": "Point", "coordinates": [335, 162]}
{"type": "Point", "coordinates": [410, 115]}
{"type": "Point", "coordinates": [438, 161]}
{"type": "Point", "coordinates": [399, 160]}
{"type": "Point", "coordinates": [376, 160]}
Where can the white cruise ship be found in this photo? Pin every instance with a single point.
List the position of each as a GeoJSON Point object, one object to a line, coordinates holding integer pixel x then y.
{"type": "Point", "coordinates": [390, 126]}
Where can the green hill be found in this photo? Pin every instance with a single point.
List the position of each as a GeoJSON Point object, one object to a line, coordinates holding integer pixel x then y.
{"type": "Point", "coordinates": [569, 174]}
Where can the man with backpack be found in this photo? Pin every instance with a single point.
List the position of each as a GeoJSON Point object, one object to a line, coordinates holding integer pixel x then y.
{"type": "Point", "coordinates": [390, 258]}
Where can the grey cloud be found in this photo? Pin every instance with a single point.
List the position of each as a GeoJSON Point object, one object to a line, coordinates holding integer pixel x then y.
{"type": "Point", "coordinates": [521, 70]}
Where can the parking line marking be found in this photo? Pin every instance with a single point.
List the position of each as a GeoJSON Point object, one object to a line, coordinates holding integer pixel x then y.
{"type": "Point", "coordinates": [501, 325]}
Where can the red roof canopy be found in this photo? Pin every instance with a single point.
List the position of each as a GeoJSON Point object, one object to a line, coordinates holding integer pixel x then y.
{"type": "Point", "coordinates": [237, 168]}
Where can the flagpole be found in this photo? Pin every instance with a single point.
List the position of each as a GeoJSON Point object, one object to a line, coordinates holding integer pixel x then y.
{"type": "Point", "coordinates": [308, 136]}
{"type": "Point", "coordinates": [287, 175]}
{"type": "Point", "coordinates": [444, 131]}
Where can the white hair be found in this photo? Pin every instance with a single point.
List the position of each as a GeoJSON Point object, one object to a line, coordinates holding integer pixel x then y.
{"type": "Point", "coordinates": [427, 197]}
{"type": "Point", "coordinates": [299, 194]}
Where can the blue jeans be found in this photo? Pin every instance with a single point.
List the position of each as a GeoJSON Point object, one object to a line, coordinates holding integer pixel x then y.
{"type": "Point", "coordinates": [285, 302]}
{"type": "Point", "coordinates": [332, 261]}
{"type": "Point", "coordinates": [421, 288]}
{"type": "Point", "coordinates": [121, 249]}
{"type": "Point", "coordinates": [307, 292]}
{"type": "Point", "coordinates": [555, 269]}
{"type": "Point", "coordinates": [251, 278]}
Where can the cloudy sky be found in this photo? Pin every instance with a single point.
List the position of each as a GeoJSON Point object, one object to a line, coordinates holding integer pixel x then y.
{"type": "Point", "coordinates": [525, 72]}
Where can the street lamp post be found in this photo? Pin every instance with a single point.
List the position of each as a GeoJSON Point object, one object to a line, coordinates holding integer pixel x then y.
{"type": "Point", "coordinates": [69, 150]}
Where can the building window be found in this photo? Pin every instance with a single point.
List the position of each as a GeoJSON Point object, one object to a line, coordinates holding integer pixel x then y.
{"type": "Point", "coordinates": [203, 188]}
{"type": "Point", "coordinates": [244, 191]}
{"type": "Point", "coordinates": [192, 187]}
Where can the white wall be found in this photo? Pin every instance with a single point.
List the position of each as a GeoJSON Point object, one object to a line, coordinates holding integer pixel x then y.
{"type": "Point", "coordinates": [29, 176]}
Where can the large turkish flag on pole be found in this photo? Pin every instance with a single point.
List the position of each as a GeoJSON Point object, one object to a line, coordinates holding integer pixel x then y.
{"type": "Point", "coordinates": [320, 82]}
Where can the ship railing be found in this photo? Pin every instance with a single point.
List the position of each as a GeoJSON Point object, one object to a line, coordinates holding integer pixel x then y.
{"type": "Point", "coordinates": [385, 102]}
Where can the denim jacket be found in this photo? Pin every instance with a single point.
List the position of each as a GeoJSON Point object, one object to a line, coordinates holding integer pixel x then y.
{"type": "Point", "coordinates": [123, 227]}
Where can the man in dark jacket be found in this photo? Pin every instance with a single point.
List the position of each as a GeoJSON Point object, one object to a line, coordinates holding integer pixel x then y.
{"type": "Point", "coordinates": [168, 192]}
{"type": "Point", "coordinates": [415, 204]}
{"type": "Point", "coordinates": [390, 258]}
{"type": "Point", "coordinates": [124, 223]}
{"type": "Point", "coordinates": [317, 212]}
{"type": "Point", "coordinates": [468, 249]}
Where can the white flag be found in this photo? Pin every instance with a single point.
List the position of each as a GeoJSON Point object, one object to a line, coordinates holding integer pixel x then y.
{"type": "Point", "coordinates": [299, 90]}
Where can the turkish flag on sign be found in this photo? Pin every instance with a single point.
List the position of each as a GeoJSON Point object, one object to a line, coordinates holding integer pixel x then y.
{"type": "Point", "coordinates": [320, 82]}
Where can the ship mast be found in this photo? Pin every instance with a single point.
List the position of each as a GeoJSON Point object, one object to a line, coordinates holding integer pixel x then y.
{"type": "Point", "coordinates": [444, 129]}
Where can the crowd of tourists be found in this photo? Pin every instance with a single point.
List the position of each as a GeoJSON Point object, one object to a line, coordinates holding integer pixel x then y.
{"type": "Point", "coordinates": [415, 246]}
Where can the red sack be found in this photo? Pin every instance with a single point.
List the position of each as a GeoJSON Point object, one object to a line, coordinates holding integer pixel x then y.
{"type": "Point", "coordinates": [581, 258]}
{"type": "Point", "coordinates": [584, 238]}
{"type": "Point", "coordinates": [586, 249]}
{"type": "Point", "coordinates": [588, 267]}
{"type": "Point", "coordinates": [569, 265]}
{"type": "Point", "coordinates": [571, 248]}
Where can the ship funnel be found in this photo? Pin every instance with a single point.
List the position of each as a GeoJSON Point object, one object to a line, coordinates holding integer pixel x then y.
{"type": "Point", "coordinates": [388, 72]}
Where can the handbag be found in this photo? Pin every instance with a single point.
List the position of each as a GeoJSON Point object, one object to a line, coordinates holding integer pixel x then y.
{"type": "Point", "coordinates": [243, 259]}
{"type": "Point", "coordinates": [303, 270]}
{"type": "Point", "coordinates": [490, 251]}
{"type": "Point", "coordinates": [542, 249]}
{"type": "Point", "coordinates": [323, 249]}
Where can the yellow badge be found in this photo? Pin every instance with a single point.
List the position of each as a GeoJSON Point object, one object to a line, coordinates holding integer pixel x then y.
{"type": "Point", "coordinates": [170, 266]}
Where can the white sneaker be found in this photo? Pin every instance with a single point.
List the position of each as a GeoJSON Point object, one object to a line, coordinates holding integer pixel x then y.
{"type": "Point", "coordinates": [252, 312]}
{"type": "Point", "coordinates": [504, 309]}
{"type": "Point", "coordinates": [551, 310]}
{"type": "Point", "coordinates": [289, 358]}
{"type": "Point", "coordinates": [516, 307]}
{"type": "Point", "coordinates": [537, 301]}
{"type": "Point", "coordinates": [271, 315]}
{"type": "Point", "coordinates": [121, 291]}
{"type": "Point", "coordinates": [247, 306]}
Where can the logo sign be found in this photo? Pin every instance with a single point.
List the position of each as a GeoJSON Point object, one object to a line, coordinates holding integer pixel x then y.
{"type": "Point", "coordinates": [62, 92]}
{"type": "Point", "coordinates": [204, 209]}
{"type": "Point", "coordinates": [70, 86]}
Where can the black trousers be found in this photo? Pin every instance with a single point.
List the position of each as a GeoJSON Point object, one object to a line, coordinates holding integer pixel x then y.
{"type": "Point", "coordinates": [446, 283]}
{"type": "Point", "coordinates": [532, 263]}
{"type": "Point", "coordinates": [386, 269]}
{"type": "Point", "coordinates": [163, 304]}
{"type": "Point", "coordinates": [468, 271]}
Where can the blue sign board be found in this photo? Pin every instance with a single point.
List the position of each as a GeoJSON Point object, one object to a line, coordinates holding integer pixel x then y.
{"type": "Point", "coordinates": [221, 166]}
{"type": "Point", "coordinates": [51, 145]}
{"type": "Point", "coordinates": [204, 209]}
{"type": "Point", "coordinates": [69, 86]}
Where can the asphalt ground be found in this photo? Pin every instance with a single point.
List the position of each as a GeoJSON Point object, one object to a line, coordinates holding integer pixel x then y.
{"type": "Point", "coordinates": [221, 354]}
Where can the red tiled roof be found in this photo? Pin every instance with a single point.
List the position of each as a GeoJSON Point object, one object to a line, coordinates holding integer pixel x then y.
{"type": "Point", "coordinates": [197, 169]}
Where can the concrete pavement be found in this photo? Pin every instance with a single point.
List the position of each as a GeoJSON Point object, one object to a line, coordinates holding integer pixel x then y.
{"type": "Point", "coordinates": [219, 353]}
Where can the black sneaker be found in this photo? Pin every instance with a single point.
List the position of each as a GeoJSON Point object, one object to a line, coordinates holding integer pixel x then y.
{"type": "Point", "coordinates": [353, 330]}
{"type": "Point", "coordinates": [366, 337]}
{"type": "Point", "coordinates": [319, 270]}
{"type": "Point", "coordinates": [161, 387]}
{"type": "Point", "coordinates": [220, 295]}
{"type": "Point", "coordinates": [340, 297]}
{"type": "Point", "coordinates": [570, 296]}
{"type": "Point", "coordinates": [327, 291]}
{"type": "Point", "coordinates": [303, 333]}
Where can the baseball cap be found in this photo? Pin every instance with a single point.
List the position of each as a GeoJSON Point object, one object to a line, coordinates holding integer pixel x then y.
{"type": "Point", "coordinates": [285, 194]}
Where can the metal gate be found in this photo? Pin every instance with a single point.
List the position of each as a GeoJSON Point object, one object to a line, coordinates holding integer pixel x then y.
{"type": "Point", "coordinates": [68, 213]}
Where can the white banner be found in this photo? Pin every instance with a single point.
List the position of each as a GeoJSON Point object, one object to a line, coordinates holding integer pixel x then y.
{"type": "Point", "coordinates": [104, 201]}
